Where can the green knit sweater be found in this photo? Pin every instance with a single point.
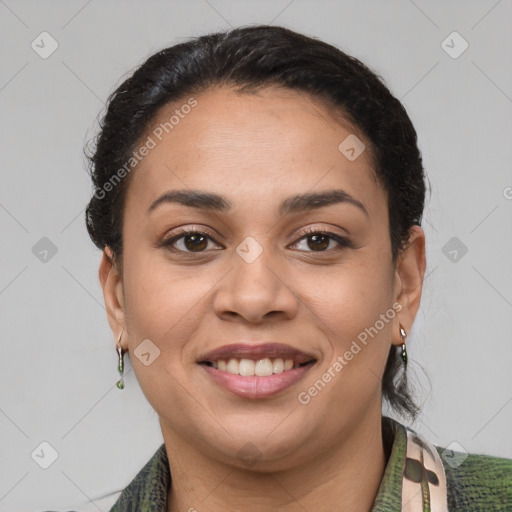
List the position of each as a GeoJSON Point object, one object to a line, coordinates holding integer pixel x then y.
{"type": "Point", "coordinates": [480, 483]}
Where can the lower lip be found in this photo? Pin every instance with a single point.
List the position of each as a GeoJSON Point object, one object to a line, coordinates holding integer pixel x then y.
{"type": "Point", "coordinates": [257, 387]}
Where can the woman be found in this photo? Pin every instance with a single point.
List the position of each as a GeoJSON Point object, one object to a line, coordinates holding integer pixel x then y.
{"type": "Point", "coordinates": [258, 203]}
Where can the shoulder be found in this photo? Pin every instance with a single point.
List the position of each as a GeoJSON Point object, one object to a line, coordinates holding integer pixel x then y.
{"type": "Point", "coordinates": [148, 489]}
{"type": "Point", "coordinates": [477, 482]}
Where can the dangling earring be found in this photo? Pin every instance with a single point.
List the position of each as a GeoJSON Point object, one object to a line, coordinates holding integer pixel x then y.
{"type": "Point", "coordinates": [403, 335]}
{"type": "Point", "coordinates": [120, 365]}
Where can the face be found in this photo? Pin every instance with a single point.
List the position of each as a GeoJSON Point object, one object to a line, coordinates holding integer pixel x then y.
{"type": "Point", "coordinates": [288, 264]}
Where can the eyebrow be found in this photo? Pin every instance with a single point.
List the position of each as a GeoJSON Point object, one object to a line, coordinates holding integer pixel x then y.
{"type": "Point", "coordinates": [292, 204]}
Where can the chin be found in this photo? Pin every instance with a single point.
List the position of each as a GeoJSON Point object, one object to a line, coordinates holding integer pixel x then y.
{"type": "Point", "coordinates": [259, 446]}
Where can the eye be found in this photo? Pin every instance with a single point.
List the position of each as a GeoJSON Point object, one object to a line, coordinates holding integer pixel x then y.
{"type": "Point", "coordinates": [188, 241]}
{"type": "Point", "coordinates": [321, 239]}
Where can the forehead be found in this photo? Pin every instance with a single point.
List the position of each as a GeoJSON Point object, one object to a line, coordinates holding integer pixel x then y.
{"type": "Point", "coordinates": [253, 148]}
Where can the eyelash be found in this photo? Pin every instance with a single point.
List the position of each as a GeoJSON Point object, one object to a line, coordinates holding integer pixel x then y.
{"type": "Point", "coordinates": [182, 233]}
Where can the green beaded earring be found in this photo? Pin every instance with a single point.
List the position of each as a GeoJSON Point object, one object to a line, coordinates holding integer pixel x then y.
{"type": "Point", "coordinates": [403, 335]}
{"type": "Point", "coordinates": [120, 366]}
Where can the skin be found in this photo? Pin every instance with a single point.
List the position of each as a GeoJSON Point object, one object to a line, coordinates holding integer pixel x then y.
{"type": "Point", "coordinates": [256, 150]}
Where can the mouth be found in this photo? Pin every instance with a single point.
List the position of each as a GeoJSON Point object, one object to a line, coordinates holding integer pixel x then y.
{"type": "Point", "coordinates": [256, 371]}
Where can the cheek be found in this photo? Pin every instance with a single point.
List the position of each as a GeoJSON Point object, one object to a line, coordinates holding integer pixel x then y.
{"type": "Point", "coordinates": [374, 319]}
{"type": "Point", "coordinates": [161, 307]}
{"type": "Point", "coordinates": [354, 296]}
{"type": "Point", "coordinates": [164, 303]}
{"type": "Point", "coordinates": [356, 315]}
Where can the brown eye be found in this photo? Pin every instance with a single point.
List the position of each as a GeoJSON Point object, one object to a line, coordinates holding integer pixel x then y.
{"type": "Point", "coordinates": [318, 240]}
{"type": "Point", "coordinates": [188, 241]}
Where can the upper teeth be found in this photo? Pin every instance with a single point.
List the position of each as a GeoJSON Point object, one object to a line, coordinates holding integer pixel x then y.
{"type": "Point", "coordinates": [249, 367]}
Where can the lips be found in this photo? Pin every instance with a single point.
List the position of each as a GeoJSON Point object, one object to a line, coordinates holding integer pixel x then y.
{"type": "Point", "coordinates": [256, 371]}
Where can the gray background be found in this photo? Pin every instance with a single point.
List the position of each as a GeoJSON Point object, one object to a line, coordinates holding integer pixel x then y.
{"type": "Point", "coordinates": [58, 363]}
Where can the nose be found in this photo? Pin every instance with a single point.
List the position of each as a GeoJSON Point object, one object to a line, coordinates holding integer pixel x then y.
{"type": "Point", "coordinates": [255, 290]}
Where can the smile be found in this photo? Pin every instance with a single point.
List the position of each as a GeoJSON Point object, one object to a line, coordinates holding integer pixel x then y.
{"type": "Point", "coordinates": [256, 371]}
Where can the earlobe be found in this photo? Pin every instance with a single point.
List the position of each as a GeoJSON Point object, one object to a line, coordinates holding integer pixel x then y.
{"type": "Point", "coordinates": [111, 283]}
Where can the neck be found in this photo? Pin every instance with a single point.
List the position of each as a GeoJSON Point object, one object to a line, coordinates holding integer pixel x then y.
{"type": "Point", "coordinates": [346, 477]}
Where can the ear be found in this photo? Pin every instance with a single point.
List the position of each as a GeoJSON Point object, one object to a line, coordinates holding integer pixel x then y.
{"type": "Point", "coordinates": [112, 285]}
{"type": "Point", "coordinates": [409, 274]}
